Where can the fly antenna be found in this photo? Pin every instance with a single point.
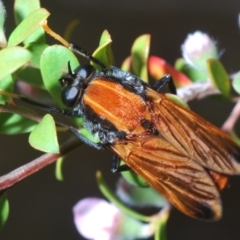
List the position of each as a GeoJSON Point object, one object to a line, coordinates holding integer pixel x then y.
{"type": "Point", "coordinates": [72, 47]}
{"type": "Point", "coordinates": [70, 69]}
{"type": "Point", "coordinates": [87, 55]}
{"type": "Point", "coordinates": [32, 102]}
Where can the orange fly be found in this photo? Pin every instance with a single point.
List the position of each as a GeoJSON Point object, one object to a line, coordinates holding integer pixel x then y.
{"type": "Point", "coordinates": [177, 152]}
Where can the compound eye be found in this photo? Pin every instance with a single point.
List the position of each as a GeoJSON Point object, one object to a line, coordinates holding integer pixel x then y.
{"type": "Point", "coordinates": [84, 71]}
{"type": "Point", "coordinates": [70, 96]}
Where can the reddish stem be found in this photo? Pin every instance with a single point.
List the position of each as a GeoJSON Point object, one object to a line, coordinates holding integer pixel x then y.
{"type": "Point", "coordinates": [26, 170]}
{"type": "Point", "coordinates": [232, 119]}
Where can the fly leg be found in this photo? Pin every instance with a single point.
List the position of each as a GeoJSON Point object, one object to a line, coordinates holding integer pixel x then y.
{"type": "Point", "coordinates": [115, 165]}
{"type": "Point", "coordinates": [167, 79]}
{"type": "Point", "coordinates": [78, 135]}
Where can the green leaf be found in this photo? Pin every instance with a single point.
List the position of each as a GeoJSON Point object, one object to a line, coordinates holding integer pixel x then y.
{"type": "Point", "coordinates": [126, 65]}
{"type": "Point", "coordinates": [11, 59]}
{"type": "Point", "coordinates": [36, 49]}
{"type": "Point", "coordinates": [78, 121]}
{"type": "Point", "coordinates": [194, 74]}
{"type": "Point", "coordinates": [22, 8]}
{"type": "Point", "coordinates": [86, 133]}
{"type": "Point", "coordinates": [177, 99]}
{"type": "Point", "coordinates": [140, 52]}
{"type": "Point", "coordinates": [58, 169]}
{"type": "Point", "coordinates": [219, 76]}
{"type": "Point", "coordinates": [160, 233]}
{"type": "Point", "coordinates": [32, 76]}
{"type": "Point", "coordinates": [235, 137]}
{"type": "Point", "coordinates": [4, 209]}
{"type": "Point", "coordinates": [6, 84]}
{"type": "Point", "coordinates": [27, 26]}
{"type": "Point", "coordinates": [44, 136]}
{"type": "Point", "coordinates": [236, 82]}
{"type": "Point", "coordinates": [53, 64]}
{"type": "Point", "coordinates": [3, 41]}
{"type": "Point", "coordinates": [140, 196]}
{"type": "Point", "coordinates": [104, 51]}
{"type": "Point", "coordinates": [134, 179]}
{"type": "Point", "coordinates": [15, 124]}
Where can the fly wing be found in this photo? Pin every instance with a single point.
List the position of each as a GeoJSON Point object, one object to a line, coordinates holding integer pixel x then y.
{"type": "Point", "coordinates": [185, 183]}
{"type": "Point", "coordinates": [194, 136]}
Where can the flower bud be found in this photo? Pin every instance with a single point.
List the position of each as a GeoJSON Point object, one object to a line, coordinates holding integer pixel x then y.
{"type": "Point", "coordinates": [197, 48]}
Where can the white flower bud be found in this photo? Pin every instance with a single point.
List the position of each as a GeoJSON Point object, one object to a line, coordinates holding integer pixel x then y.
{"type": "Point", "coordinates": [197, 48]}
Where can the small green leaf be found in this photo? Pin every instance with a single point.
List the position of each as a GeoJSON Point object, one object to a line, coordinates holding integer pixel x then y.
{"type": "Point", "coordinates": [140, 52]}
{"type": "Point", "coordinates": [194, 74]}
{"type": "Point", "coordinates": [22, 8]}
{"type": "Point", "coordinates": [236, 82]}
{"type": "Point", "coordinates": [78, 121]}
{"type": "Point", "coordinates": [6, 84]}
{"type": "Point", "coordinates": [27, 26]}
{"type": "Point", "coordinates": [104, 51]}
{"type": "Point", "coordinates": [44, 136]}
{"type": "Point", "coordinates": [177, 99]}
{"type": "Point", "coordinates": [219, 76]}
{"type": "Point", "coordinates": [235, 137]}
{"type": "Point", "coordinates": [134, 179]}
{"type": "Point", "coordinates": [54, 63]}
{"type": "Point", "coordinates": [4, 209]}
{"type": "Point", "coordinates": [140, 196]}
{"type": "Point", "coordinates": [32, 76]}
{"type": "Point", "coordinates": [3, 41]}
{"type": "Point", "coordinates": [58, 169]}
{"type": "Point", "coordinates": [86, 133]}
{"type": "Point", "coordinates": [11, 59]}
{"type": "Point", "coordinates": [36, 49]}
{"type": "Point", "coordinates": [160, 233]}
{"type": "Point", "coordinates": [126, 65]}
{"type": "Point", "coordinates": [15, 124]}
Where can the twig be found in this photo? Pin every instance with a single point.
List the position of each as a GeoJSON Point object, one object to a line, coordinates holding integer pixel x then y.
{"type": "Point", "coordinates": [197, 90]}
{"type": "Point", "coordinates": [232, 119]}
{"type": "Point", "coordinates": [23, 112]}
{"type": "Point", "coordinates": [26, 170]}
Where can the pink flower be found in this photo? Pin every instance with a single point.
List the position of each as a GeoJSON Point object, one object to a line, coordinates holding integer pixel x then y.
{"type": "Point", "coordinates": [97, 219]}
{"type": "Point", "coordinates": [197, 48]}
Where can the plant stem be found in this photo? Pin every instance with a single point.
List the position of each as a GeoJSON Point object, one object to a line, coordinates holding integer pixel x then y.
{"type": "Point", "coordinates": [232, 119]}
{"type": "Point", "coordinates": [23, 112]}
{"type": "Point", "coordinates": [197, 90]}
{"type": "Point", "coordinates": [28, 169]}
